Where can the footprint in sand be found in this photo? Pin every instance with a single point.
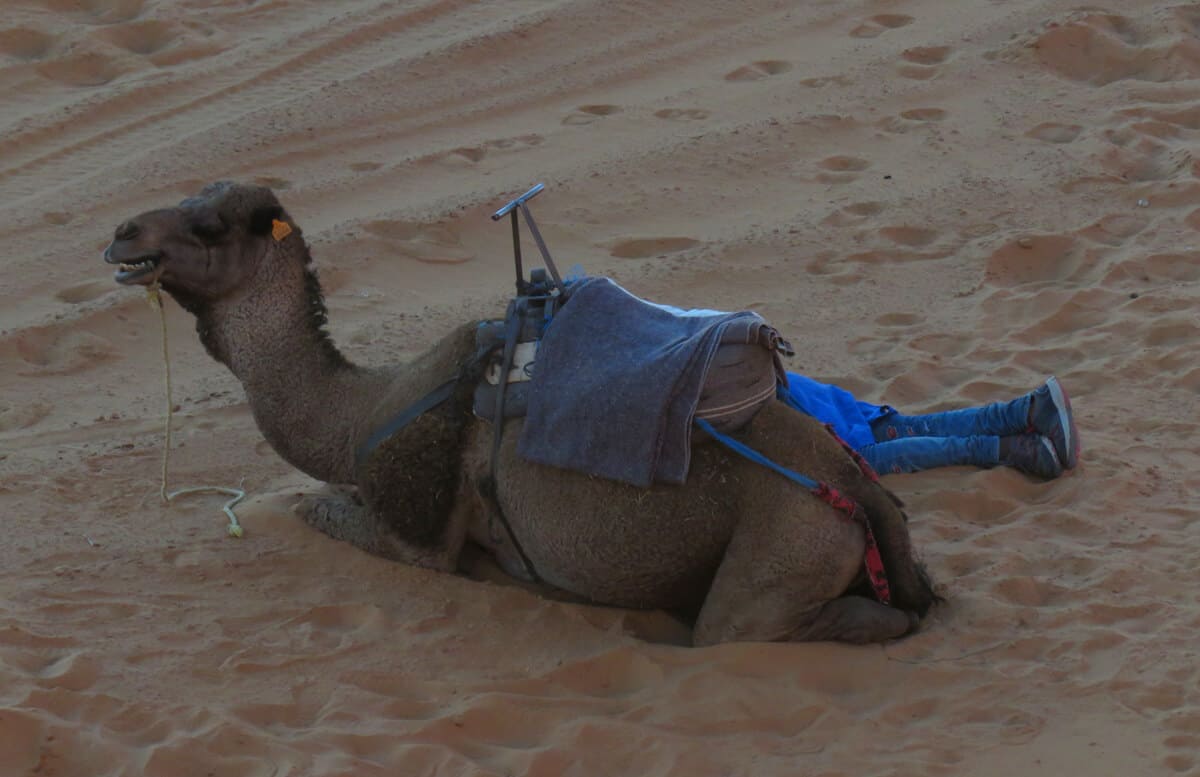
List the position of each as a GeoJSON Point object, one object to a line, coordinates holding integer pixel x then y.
{"type": "Point", "coordinates": [84, 292]}
{"type": "Point", "coordinates": [147, 37]}
{"type": "Point", "coordinates": [463, 156]}
{"type": "Point", "coordinates": [927, 55]}
{"type": "Point", "coordinates": [278, 184]}
{"type": "Point", "coordinates": [23, 416]}
{"type": "Point", "coordinates": [759, 70]}
{"type": "Point", "coordinates": [821, 82]}
{"type": "Point", "coordinates": [877, 25]}
{"type": "Point", "coordinates": [924, 114]}
{"type": "Point", "coordinates": [854, 213]}
{"type": "Point", "coordinates": [1050, 132]}
{"type": "Point", "coordinates": [1033, 259]}
{"type": "Point", "coordinates": [899, 319]}
{"type": "Point", "coordinates": [682, 114]}
{"type": "Point", "coordinates": [922, 61]}
{"type": "Point", "coordinates": [428, 243]}
{"type": "Point", "coordinates": [586, 114]}
{"type": "Point", "coordinates": [62, 352]}
{"type": "Point", "coordinates": [24, 43]}
{"type": "Point", "coordinates": [471, 155]}
{"type": "Point", "coordinates": [642, 248]}
{"type": "Point", "coordinates": [841, 169]}
{"type": "Point", "coordinates": [913, 237]}
{"type": "Point", "coordinates": [844, 164]}
{"type": "Point", "coordinates": [911, 119]}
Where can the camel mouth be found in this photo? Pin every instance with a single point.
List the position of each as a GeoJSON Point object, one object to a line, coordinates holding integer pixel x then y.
{"type": "Point", "coordinates": [136, 270]}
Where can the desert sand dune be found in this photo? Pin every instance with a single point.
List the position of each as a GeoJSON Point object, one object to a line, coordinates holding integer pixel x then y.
{"type": "Point", "coordinates": [940, 204]}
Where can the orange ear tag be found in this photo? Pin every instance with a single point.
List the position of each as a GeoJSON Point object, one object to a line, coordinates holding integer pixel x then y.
{"type": "Point", "coordinates": [280, 229]}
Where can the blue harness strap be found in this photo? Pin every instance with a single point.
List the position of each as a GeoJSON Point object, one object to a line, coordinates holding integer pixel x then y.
{"type": "Point", "coordinates": [749, 453]}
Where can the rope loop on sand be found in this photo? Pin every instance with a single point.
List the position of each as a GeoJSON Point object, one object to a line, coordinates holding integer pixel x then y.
{"type": "Point", "coordinates": [234, 529]}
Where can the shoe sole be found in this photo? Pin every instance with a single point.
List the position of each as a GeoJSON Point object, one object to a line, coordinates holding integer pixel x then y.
{"type": "Point", "coordinates": [1058, 467]}
{"type": "Point", "coordinates": [1066, 421]}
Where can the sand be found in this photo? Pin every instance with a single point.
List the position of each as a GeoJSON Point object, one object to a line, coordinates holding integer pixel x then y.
{"type": "Point", "coordinates": [939, 203]}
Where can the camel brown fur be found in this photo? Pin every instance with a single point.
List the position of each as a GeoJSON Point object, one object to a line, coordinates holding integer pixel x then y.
{"type": "Point", "coordinates": [752, 555]}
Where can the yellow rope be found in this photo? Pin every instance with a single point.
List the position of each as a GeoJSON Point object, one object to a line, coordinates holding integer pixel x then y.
{"type": "Point", "coordinates": [234, 529]}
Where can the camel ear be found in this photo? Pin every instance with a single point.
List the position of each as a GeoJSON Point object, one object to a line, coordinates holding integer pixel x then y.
{"type": "Point", "coordinates": [261, 219]}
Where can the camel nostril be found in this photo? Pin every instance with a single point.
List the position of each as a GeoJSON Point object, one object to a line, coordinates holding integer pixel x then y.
{"type": "Point", "coordinates": [127, 231]}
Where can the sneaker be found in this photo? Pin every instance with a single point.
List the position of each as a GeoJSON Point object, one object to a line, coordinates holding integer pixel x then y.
{"type": "Point", "coordinates": [1050, 416]}
{"type": "Point", "coordinates": [1032, 454]}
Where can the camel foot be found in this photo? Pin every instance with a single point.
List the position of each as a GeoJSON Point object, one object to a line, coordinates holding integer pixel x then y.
{"type": "Point", "coordinates": [856, 619]}
{"type": "Point", "coordinates": [343, 517]}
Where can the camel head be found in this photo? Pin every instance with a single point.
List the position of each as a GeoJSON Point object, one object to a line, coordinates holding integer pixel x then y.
{"type": "Point", "coordinates": [204, 248]}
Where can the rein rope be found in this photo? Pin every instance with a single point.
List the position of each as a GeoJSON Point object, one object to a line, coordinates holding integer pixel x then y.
{"type": "Point", "coordinates": [234, 529]}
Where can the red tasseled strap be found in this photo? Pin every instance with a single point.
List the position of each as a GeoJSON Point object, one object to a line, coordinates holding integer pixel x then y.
{"type": "Point", "coordinates": [872, 560]}
{"type": "Point", "coordinates": [866, 468]}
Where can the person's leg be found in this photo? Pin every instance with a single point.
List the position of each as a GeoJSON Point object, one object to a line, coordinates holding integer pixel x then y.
{"type": "Point", "coordinates": [913, 454]}
{"type": "Point", "coordinates": [995, 420]}
{"type": "Point", "coordinates": [1045, 411]}
{"type": "Point", "coordinates": [1029, 453]}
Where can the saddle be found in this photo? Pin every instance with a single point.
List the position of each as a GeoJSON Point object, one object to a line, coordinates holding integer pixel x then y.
{"type": "Point", "coordinates": [743, 376]}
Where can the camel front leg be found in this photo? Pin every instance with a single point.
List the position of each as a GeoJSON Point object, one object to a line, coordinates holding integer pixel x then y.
{"type": "Point", "coordinates": [343, 517]}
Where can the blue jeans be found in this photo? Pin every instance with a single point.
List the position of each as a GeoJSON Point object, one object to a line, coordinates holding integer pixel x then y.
{"type": "Point", "coordinates": [970, 437]}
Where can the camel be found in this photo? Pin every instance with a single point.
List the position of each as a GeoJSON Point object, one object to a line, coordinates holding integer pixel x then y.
{"type": "Point", "coordinates": [746, 554]}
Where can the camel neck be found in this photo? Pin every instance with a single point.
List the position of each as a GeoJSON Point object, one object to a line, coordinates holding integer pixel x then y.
{"type": "Point", "coordinates": [307, 399]}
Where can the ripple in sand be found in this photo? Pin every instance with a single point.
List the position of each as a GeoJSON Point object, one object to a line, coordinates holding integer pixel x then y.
{"type": "Point", "coordinates": [87, 69]}
{"type": "Point", "coordinates": [23, 416]}
{"type": "Point", "coordinates": [1115, 229]}
{"type": "Point", "coordinates": [74, 672]}
{"type": "Point", "coordinates": [22, 735]}
{"type": "Point", "coordinates": [1099, 48]}
{"type": "Point", "coordinates": [98, 11]}
{"type": "Point", "coordinates": [24, 43]}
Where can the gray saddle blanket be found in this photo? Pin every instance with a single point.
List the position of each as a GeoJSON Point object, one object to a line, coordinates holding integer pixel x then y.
{"type": "Point", "coordinates": [617, 382]}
